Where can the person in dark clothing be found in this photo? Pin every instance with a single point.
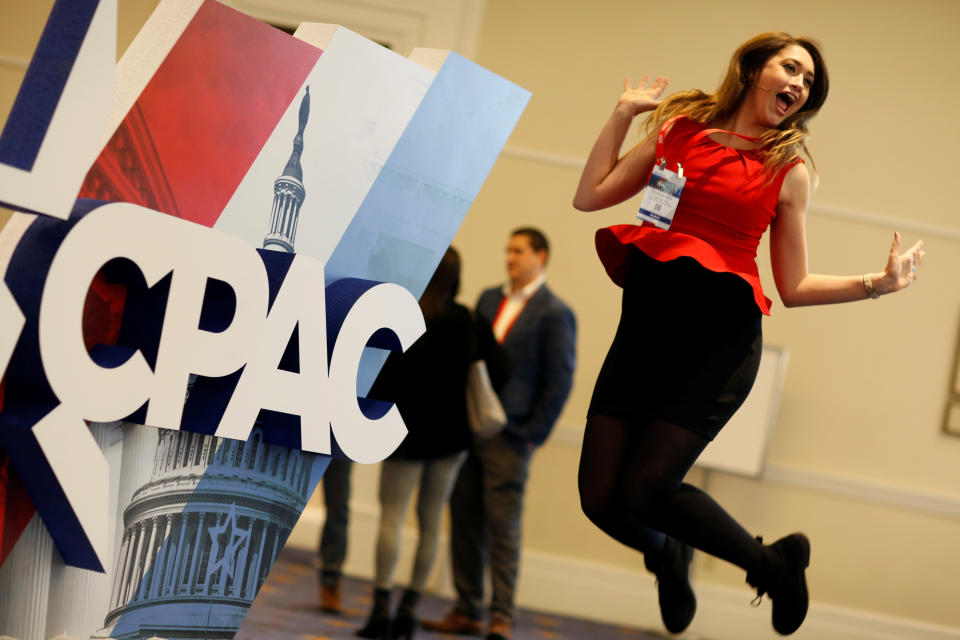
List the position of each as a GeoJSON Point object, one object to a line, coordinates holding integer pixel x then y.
{"type": "Point", "coordinates": [428, 385]}
{"type": "Point", "coordinates": [538, 331]}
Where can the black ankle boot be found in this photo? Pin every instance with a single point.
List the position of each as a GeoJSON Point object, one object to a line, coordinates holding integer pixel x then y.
{"type": "Point", "coordinates": [405, 622]}
{"type": "Point", "coordinates": [781, 576]}
{"type": "Point", "coordinates": [378, 624]}
{"type": "Point", "coordinates": [678, 603]}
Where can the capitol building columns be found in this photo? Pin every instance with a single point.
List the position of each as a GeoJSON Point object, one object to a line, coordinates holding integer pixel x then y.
{"type": "Point", "coordinates": [25, 583]}
{"type": "Point", "coordinates": [201, 534]}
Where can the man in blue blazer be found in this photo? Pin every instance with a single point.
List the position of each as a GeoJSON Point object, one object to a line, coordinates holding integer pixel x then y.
{"type": "Point", "coordinates": [538, 332]}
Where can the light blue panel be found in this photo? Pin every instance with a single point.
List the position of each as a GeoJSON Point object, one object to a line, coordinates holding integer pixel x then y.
{"type": "Point", "coordinates": [428, 183]}
{"type": "Point", "coordinates": [421, 196]}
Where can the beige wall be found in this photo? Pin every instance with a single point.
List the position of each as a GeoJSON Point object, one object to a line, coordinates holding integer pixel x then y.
{"type": "Point", "coordinates": [857, 459]}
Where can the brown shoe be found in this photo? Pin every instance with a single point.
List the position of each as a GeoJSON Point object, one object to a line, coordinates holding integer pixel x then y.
{"type": "Point", "coordinates": [330, 599]}
{"type": "Point", "coordinates": [500, 630]}
{"type": "Point", "coordinates": [454, 623]}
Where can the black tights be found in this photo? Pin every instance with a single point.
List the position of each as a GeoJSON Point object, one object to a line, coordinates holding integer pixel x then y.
{"type": "Point", "coordinates": [631, 486]}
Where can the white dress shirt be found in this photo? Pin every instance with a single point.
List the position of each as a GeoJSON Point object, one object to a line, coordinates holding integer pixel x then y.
{"type": "Point", "coordinates": [512, 305]}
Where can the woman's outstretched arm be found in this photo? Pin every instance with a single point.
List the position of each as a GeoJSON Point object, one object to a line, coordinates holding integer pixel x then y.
{"type": "Point", "coordinates": [608, 179]}
{"type": "Point", "coordinates": [788, 256]}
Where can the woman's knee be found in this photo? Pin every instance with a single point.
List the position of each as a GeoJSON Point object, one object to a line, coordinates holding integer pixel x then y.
{"type": "Point", "coordinates": [596, 505]}
{"type": "Point", "coordinates": [647, 494]}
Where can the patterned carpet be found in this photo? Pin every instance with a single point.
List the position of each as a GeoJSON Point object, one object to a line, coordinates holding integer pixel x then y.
{"type": "Point", "coordinates": [286, 609]}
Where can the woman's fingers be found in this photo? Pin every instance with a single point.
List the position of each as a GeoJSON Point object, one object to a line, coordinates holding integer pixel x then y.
{"type": "Point", "coordinates": [645, 97]}
{"type": "Point", "coordinates": [917, 250]}
{"type": "Point", "coordinates": [659, 84]}
{"type": "Point", "coordinates": [916, 258]}
{"type": "Point", "coordinates": [905, 265]}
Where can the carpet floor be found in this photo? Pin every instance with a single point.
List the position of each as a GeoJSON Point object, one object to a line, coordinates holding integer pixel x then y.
{"type": "Point", "coordinates": [287, 609]}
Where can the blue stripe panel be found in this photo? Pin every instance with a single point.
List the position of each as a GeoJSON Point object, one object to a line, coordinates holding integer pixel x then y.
{"type": "Point", "coordinates": [44, 81]}
{"type": "Point", "coordinates": [419, 200]}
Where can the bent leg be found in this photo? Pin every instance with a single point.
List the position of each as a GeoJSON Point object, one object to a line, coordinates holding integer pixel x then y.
{"type": "Point", "coordinates": [631, 486]}
{"type": "Point", "coordinates": [659, 457]}
{"type": "Point", "coordinates": [603, 459]}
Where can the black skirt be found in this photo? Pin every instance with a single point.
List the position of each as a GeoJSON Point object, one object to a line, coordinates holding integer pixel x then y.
{"type": "Point", "coordinates": [687, 349]}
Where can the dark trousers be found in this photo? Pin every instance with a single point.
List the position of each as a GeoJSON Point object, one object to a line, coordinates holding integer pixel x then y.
{"type": "Point", "coordinates": [486, 511]}
{"type": "Point", "coordinates": [336, 501]}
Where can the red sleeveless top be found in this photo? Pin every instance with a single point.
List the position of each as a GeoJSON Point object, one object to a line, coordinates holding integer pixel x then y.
{"type": "Point", "coordinates": [727, 204]}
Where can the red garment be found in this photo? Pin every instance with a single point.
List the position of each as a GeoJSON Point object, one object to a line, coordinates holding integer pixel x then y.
{"type": "Point", "coordinates": [727, 204]}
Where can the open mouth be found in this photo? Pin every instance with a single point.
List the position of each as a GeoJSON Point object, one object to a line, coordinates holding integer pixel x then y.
{"type": "Point", "coordinates": [785, 101]}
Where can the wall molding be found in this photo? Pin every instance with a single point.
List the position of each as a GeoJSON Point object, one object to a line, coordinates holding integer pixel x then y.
{"type": "Point", "coordinates": [864, 490]}
{"type": "Point", "coordinates": [858, 489]}
{"type": "Point", "coordinates": [612, 594]}
{"type": "Point", "coordinates": [11, 62]}
{"type": "Point", "coordinates": [927, 229]}
{"type": "Point", "coordinates": [544, 157]}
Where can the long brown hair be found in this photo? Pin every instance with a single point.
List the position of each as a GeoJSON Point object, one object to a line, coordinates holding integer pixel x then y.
{"type": "Point", "coordinates": [443, 286]}
{"type": "Point", "coordinates": [779, 146]}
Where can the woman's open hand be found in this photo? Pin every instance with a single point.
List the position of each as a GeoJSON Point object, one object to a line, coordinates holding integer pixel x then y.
{"type": "Point", "coordinates": [644, 97]}
{"type": "Point", "coordinates": [902, 269]}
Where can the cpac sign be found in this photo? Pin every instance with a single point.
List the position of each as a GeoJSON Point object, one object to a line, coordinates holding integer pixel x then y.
{"type": "Point", "coordinates": [218, 336]}
{"type": "Point", "coordinates": [254, 339]}
{"type": "Point", "coordinates": [322, 392]}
